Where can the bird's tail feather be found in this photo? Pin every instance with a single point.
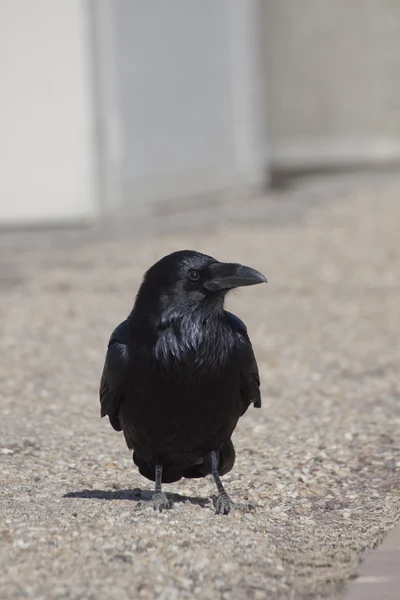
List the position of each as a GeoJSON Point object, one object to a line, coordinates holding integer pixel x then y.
{"type": "Point", "coordinates": [172, 473]}
{"type": "Point", "coordinates": [226, 462]}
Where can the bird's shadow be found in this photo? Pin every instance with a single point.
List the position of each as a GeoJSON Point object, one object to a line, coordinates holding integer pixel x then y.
{"type": "Point", "coordinates": [136, 495]}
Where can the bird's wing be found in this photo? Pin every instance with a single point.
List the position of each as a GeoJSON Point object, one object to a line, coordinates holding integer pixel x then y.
{"type": "Point", "coordinates": [113, 377]}
{"type": "Point", "coordinates": [249, 376]}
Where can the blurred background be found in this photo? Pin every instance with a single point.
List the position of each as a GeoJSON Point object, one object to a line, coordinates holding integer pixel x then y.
{"type": "Point", "coordinates": [118, 105]}
{"type": "Point", "coordinates": [264, 132]}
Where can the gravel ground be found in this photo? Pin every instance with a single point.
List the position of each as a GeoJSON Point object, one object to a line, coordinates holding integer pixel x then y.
{"type": "Point", "coordinates": [320, 461]}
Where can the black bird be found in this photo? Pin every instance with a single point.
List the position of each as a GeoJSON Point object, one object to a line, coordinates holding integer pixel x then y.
{"type": "Point", "coordinates": [180, 371]}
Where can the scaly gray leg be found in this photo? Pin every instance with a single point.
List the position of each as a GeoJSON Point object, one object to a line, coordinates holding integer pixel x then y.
{"type": "Point", "coordinates": [160, 500]}
{"type": "Point", "coordinates": [224, 504]}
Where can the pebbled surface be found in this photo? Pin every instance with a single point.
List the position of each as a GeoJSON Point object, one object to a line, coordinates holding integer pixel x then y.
{"type": "Point", "coordinates": [320, 462]}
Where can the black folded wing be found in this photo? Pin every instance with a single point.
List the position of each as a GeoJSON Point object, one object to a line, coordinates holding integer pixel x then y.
{"type": "Point", "coordinates": [249, 376]}
{"type": "Point", "coordinates": [114, 372]}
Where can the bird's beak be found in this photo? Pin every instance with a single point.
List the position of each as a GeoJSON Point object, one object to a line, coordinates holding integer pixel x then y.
{"type": "Point", "coordinates": [225, 276]}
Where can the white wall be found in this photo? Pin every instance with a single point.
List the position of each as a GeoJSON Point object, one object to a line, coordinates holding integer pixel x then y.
{"type": "Point", "coordinates": [171, 105]}
{"type": "Point", "coordinates": [46, 113]}
{"type": "Point", "coordinates": [187, 114]}
{"type": "Point", "coordinates": [333, 81]}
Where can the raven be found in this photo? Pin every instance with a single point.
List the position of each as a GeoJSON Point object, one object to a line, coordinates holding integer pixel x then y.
{"type": "Point", "coordinates": [180, 371]}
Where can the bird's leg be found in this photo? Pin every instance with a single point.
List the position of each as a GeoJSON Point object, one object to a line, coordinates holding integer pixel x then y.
{"type": "Point", "coordinates": [224, 504]}
{"type": "Point", "coordinates": [160, 500]}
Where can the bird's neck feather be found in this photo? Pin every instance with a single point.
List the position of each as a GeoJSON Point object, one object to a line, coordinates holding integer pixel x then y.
{"type": "Point", "coordinates": [195, 339]}
{"type": "Point", "coordinates": [158, 313]}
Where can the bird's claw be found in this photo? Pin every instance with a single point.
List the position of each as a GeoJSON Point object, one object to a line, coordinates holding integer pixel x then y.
{"type": "Point", "coordinates": [161, 502]}
{"type": "Point", "coordinates": [223, 505]}
{"type": "Point", "coordinates": [245, 507]}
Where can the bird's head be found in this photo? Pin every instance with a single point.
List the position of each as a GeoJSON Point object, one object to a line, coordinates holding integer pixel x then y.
{"type": "Point", "coordinates": [187, 279]}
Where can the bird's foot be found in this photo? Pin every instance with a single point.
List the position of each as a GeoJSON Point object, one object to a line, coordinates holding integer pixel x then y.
{"type": "Point", "coordinates": [244, 507]}
{"type": "Point", "coordinates": [161, 502]}
{"type": "Point", "coordinates": [223, 505]}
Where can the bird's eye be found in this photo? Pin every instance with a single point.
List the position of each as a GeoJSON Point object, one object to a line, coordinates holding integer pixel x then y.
{"type": "Point", "coordinates": [194, 275]}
